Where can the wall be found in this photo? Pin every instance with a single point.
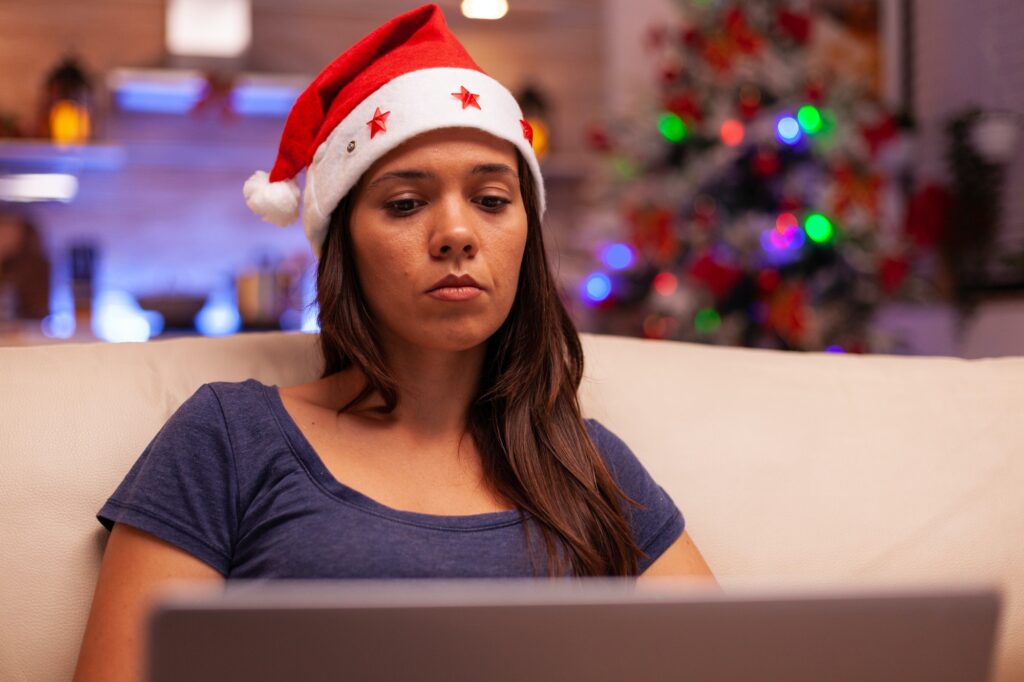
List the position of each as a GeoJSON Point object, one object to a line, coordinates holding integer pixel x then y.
{"type": "Point", "coordinates": [172, 219]}
{"type": "Point", "coordinates": [971, 54]}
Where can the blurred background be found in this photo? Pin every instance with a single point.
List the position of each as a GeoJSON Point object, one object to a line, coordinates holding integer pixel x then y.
{"type": "Point", "coordinates": [816, 175]}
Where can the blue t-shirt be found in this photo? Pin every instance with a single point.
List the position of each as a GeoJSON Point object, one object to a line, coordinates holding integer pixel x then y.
{"type": "Point", "coordinates": [231, 479]}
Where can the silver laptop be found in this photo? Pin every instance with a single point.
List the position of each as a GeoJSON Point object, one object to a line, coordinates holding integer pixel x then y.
{"type": "Point", "coordinates": [597, 630]}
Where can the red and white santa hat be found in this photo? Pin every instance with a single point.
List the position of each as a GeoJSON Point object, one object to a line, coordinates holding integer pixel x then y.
{"type": "Point", "coordinates": [407, 77]}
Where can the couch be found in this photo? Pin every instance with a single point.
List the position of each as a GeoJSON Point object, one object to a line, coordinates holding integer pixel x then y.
{"type": "Point", "coordinates": [798, 467]}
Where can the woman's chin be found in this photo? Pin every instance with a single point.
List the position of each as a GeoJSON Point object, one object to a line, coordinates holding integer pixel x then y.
{"type": "Point", "coordinates": [452, 340]}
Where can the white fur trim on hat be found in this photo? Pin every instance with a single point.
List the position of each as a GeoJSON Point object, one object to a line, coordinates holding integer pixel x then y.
{"type": "Point", "coordinates": [275, 202]}
{"type": "Point", "coordinates": [417, 102]}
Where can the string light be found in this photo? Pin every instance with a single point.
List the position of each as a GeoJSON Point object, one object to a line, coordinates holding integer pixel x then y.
{"type": "Point", "coordinates": [785, 221]}
{"type": "Point", "coordinates": [732, 132]}
{"type": "Point", "coordinates": [618, 256]}
{"type": "Point", "coordinates": [665, 283]}
{"type": "Point", "coordinates": [671, 127]}
{"type": "Point", "coordinates": [818, 228]}
{"type": "Point", "coordinates": [707, 321]}
{"type": "Point", "coordinates": [787, 129]}
{"type": "Point", "coordinates": [810, 119]}
{"type": "Point", "coordinates": [656, 327]}
{"type": "Point", "coordinates": [484, 9]}
{"type": "Point", "coordinates": [597, 287]}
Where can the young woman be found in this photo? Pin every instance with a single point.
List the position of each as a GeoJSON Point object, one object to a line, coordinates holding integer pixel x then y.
{"type": "Point", "coordinates": [444, 437]}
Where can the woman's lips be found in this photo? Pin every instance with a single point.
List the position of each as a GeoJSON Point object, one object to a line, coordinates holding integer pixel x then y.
{"type": "Point", "coordinates": [455, 293]}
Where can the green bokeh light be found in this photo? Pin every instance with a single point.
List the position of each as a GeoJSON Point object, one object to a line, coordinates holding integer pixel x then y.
{"type": "Point", "coordinates": [672, 127]}
{"type": "Point", "coordinates": [810, 119]}
{"type": "Point", "coordinates": [707, 321]}
{"type": "Point", "coordinates": [818, 228]}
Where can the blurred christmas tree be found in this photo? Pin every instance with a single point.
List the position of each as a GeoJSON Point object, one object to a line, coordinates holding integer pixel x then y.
{"type": "Point", "coordinates": [762, 198]}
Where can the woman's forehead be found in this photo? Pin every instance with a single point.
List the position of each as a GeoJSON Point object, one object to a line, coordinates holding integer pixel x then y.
{"type": "Point", "coordinates": [449, 149]}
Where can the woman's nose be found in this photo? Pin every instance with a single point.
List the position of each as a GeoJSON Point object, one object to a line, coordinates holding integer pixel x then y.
{"type": "Point", "coordinates": [453, 232]}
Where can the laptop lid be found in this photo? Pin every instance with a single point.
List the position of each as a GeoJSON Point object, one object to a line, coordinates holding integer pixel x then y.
{"type": "Point", "coordinates": [597, 630]}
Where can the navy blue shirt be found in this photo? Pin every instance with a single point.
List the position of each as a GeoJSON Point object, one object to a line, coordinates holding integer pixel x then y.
{"type": "Point", "coordinates": [231, 479]}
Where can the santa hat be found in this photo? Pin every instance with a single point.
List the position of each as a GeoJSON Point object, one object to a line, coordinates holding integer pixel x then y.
{"type": "Point", "coordinates": [407, 77]}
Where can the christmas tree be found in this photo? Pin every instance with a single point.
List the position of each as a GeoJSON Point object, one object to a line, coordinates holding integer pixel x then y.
{"type": "Point", "coordinates": [759, 200]}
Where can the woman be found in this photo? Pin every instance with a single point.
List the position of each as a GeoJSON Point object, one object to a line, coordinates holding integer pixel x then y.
{"type": "Point", "coordinates": [444, 437]}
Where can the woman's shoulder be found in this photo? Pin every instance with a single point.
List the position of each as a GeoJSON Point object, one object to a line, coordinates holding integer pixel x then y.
{"type": "Point", "coordinates": [224, 394]}
{"type": "Point", "coordinates": [219, 405]}
{"type": "Point", "coordinates": [614, 450]}
{"type": "Point", "coordinates": [624, 466]}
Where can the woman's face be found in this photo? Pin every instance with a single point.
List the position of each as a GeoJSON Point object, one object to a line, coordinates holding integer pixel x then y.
{"type": "Point", "coordinates": [445, 203]}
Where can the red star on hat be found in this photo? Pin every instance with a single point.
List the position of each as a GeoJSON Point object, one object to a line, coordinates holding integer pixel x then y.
{"type": "Point", "coordinates": [377, 122]}
{"type": "Point", "coordinates": [527, 130]}
{"type": "Point", "coordinates": [467, 97]}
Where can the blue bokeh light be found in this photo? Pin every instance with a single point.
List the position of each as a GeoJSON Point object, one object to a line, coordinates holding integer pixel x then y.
{"type": "Point", "coordinates": [117, 318]}
{"type": "Point", "coordinates": [597, 287]}
{"type": "Point", "coordinates": [59, 325]}
{"type": "Point", "coordinates": [219, 316]}
{"type": "Point", "coordinates": [618, 256]}
{"type": "Point", "coordinates": [788, 130]}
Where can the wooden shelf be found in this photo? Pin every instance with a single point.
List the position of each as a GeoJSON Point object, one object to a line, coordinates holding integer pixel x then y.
{"type": "Point", "coordinates": [43, 156]}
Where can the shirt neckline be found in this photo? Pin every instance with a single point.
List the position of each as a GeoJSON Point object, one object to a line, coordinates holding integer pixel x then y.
{"type": "Point", "coordinates": [315, 467]}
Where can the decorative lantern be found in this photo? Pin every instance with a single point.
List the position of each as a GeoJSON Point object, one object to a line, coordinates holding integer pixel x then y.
{"type": "Point", "coordinates": [68, 104]}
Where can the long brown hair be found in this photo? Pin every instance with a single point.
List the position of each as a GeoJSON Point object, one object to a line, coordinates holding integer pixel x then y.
{"type": "Point", "coordinates": [525, 419]}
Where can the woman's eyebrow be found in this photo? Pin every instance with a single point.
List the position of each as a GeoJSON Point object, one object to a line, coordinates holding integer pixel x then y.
{"type": "Point", "coordinates": [488, 168]}
{"type": "Point", "coordinates": [414, 174]}
{"type": "Point", "coordinates": [401, 175]}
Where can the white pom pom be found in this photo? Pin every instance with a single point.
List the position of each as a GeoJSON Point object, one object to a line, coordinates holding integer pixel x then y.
{"type": "Point", "coordinates": [275, 202]}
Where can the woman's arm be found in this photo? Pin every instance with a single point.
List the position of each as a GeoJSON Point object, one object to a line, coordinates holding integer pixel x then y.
{"type": "Point", "coordinates": [135, 565]}
{"type": "Point", "coordinates": [682, 558]}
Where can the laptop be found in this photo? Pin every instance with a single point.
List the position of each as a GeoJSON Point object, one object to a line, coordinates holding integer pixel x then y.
{"type": "Point", "coordinates": [598, 630]}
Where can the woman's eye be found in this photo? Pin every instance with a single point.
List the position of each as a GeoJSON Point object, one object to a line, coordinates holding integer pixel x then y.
{"type": "Point", "coordinates": [494, 203]}
{"type": "Point", "coordinates": [401, 206]}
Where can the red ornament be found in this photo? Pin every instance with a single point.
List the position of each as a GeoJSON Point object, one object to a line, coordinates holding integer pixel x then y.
{"type": "Point", "coordinates": [718, 54]}
{"type": "Point", "coordinates": [748, 42]}
{"type": "Point", "coordinates": [692, 38]}
{"type": "Point", "coordinates": [749, 101]}
{"type": "Point", "coordinates": [795, 25]}
{"type": "Point", "coordinates": [926, 215]}
{"type": "Point", "coordinates": [527, 130]}
{"type": "Point", "coordinates": [878, 133]}
{"type": "Point", "coordinates": [768, 280]}
{"type": "Point", "coordinates": [790, 202]}
{"type": "Point", "coordinates": [651, 231]}
{"type": "Point", "coordinates": [685, 106]}
{"type": "Point", "coordinates": [815, 93]}
{"type": "Point", "coordinates": [766, 163]}
{"type": "Point", "coordinates": [891, 273]}
{"type": "Point", "coordinates": [719, 278]}
{"type": "Point", "coordinates": [735, 19]}
{"type": "Point", "coordinates": [855, 187]}
{"type": "Point", "coordinates": [670, 73]}
{"type": "Point", "coordinates": [597, 138]}
{"type": "Point", "coordinates": [377, 123]}
{"type": "Point", "coordinates": [788, 313]}
{"type": "Point", "coordinates": [467, 98]}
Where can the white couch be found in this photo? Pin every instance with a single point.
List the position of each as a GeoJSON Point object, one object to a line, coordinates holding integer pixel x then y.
{"type": "Point", "coordinates": [798, 466]}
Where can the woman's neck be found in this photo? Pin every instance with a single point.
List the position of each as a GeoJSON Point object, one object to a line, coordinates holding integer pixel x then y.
{"type": "Point", "coordinates": [435, 388]}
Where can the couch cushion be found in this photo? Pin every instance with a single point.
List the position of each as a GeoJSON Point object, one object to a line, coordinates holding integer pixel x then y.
{"type": "Point", "coordinates": [806, 466]}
